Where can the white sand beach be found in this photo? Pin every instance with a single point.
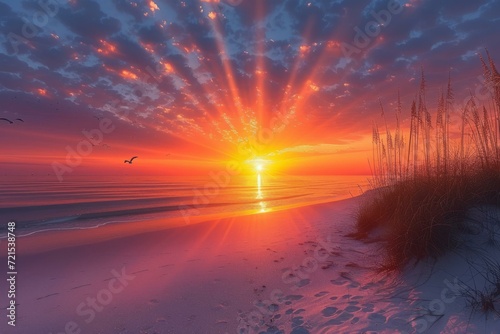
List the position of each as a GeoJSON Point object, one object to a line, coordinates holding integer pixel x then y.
{"type": "Point", "coordinates": [292, 271]}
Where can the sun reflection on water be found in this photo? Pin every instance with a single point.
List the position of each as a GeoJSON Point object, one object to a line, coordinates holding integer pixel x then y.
{"type": "Point", "coordinates": [260, 194]}
{"type": "Point", "coordinates": [259, 187]}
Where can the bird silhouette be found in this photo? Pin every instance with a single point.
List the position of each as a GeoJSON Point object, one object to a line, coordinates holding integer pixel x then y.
{"type": "Point", "coordinates": [19, 119]}
{"type": "Point", "coordinates": [129, 161]}
{"type": "Point", "coordinates": [5, 119]}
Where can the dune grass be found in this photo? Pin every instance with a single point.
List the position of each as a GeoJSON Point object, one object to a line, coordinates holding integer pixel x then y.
{"type": "Point", "coordinates": [485, 300]}
{"type": "Point", "coordinates": [427, 178]}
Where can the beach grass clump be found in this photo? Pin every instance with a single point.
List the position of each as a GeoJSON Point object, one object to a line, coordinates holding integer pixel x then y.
{"type": "Point", "coordinates": [485, 299]}
{"type": "Point", "coordinates": [427, 178]}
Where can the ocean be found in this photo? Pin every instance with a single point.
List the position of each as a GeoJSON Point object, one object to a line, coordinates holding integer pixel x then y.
{"type": "Point", "coordinates": [43, 203]}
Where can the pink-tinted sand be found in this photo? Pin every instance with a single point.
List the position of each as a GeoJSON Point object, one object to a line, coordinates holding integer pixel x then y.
{"type": "Point", "coordinates": [293, 270]}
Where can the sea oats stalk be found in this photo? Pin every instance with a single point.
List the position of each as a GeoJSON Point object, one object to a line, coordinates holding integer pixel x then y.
{"type": "Point", "coordinates": [424, 188]}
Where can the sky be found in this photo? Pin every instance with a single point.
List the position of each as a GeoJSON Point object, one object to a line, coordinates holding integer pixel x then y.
{"type": "Point", "coordinates": [193, 87]}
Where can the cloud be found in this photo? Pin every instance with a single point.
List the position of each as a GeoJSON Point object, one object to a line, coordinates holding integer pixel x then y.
{"type": "Point", "coordinates": [218, 80]}
{"type": "Point", "coordinates": [89, 21]}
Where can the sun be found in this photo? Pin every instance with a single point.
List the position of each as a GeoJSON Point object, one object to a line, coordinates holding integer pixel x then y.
{"type": "Point", "coordinates": [258, 164]}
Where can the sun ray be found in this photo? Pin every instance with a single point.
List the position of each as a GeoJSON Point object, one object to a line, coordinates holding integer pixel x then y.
{"type": "Point", "coordinates": [228, 70]}
{"type": "Point", "coordinates": [260, 71]}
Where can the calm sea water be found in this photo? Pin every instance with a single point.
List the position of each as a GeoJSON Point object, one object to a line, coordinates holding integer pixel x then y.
{"type": "Point", "coordinates": [44, 203]}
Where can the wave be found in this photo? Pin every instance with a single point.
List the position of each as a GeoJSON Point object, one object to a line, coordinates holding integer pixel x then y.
{"type": "Point", "coordinates": [101, 210]}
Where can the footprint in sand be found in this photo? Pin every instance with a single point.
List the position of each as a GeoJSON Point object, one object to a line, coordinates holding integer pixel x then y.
{"type": "Point", "coordinates": [396, 322]}
{"type": "Point", "coordinates": [340, 319]}
{"type": "Point", "coordinates": [345, 278]}
{"type": "Point", "coordinates": [377, 318]}
{"type": "Point", "coordinates": [50, 295]}
{"type": "Point", "coordinates": [299, 330]}
{"type": "Point", "coordinates": [294, 297]}
{"type": "Point", "coordinates": [345, 315]}
{"type": "Point", "coordinates": [259, 290]}
{"type": "Point", "coordinates": [352, 265]}
{"type": "Point", "coordinates": [140, 271]}
{"type": "Point", "coordinates": [329, 311]}
{"type": "Point", "coordinates": [335, 253]}
{"type": "Point", "coordinates": [80, 286]}
{"type": "Point", "coordinates": [272, 307]}
{"type": "Point", "coordinates": [369, 308]}
{"type": "Point", "coordinates": [291, 298]}
{"type": "Point", "coordinates": [352, 309]}
{"type": "Point", "coordinates": [368, 286]}
{"type": "Point", "coordinates": [346, 275]}
{"type": "Point", "coordinates": [303, 282]}
{"type": "Point", "coordinates": [297, 321]}
{"type": "Point", "coordinates": [339, 281]}
{"type": "Point", "coordinates": [327, 265]}
{"type": "Point", "coordinates": [321, 294]}
{"type": "Point", "coordinates": [220, 306]}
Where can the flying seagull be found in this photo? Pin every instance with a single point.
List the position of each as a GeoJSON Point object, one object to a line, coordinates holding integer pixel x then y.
{"type": "Point", "coordinates": [130, 161]}
{"type": "Point", "coordinates": [5, 119]}
{"type": "Point", "coordinates": [19, 119]}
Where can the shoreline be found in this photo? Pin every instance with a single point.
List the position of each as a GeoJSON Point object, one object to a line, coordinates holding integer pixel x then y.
{"type": "Point", "coordinates": [69, 236]}
{"type": "Point", "coordinates": [182, 276]}
{"type": "Point", "coordinates": [295, 270]}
